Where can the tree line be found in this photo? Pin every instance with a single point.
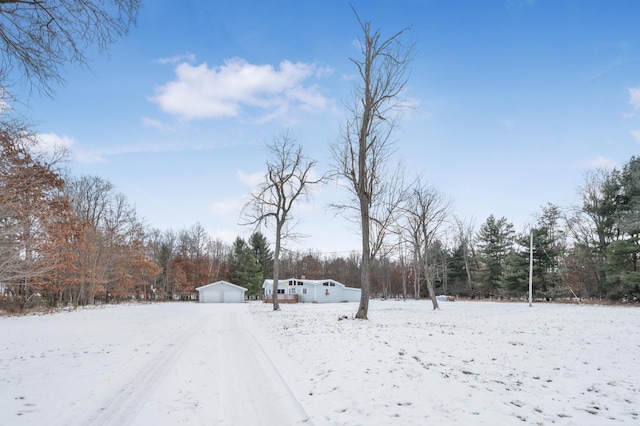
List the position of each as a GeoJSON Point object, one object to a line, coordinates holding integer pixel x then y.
{"type": "Point", "coordinates": [76, 240]}
{"type": "Point", "coordinates": [68, 240]}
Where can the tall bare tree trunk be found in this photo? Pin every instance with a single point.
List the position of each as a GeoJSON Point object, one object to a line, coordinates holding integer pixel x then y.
{"type": "Point", "coordinates": [427, 276]}
{"type": "Point", "coordinates": [403, 268]}
{"type": "Point", "coordinates": [363, 308]}
{"type": "Point", "coordinates": [416, 280]}
{"type": "Point", "coordinates": [276, 269]}
{"type": "Point", "coordinates": [365, 146]}
{"type": "Point", "coordinates": [467, 269]}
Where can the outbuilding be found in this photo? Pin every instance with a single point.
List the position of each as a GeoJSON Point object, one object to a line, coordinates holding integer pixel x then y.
{"type": "Point", "coordinates": [221, 292]}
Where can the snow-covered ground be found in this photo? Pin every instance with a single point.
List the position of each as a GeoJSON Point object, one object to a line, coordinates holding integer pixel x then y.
{"type": "Point", "coordinates": [470, 363]}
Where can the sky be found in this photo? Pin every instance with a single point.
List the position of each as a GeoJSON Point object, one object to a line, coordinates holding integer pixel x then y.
{"type": "Point", "coordinates": [513, 102]}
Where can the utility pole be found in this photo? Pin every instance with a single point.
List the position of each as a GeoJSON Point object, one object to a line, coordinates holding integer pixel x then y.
{"type": "Point", "coordinates": [531, 269]}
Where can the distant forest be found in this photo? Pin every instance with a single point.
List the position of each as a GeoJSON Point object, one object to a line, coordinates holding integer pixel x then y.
{"type": "Point", "coordinates": [77, 241]}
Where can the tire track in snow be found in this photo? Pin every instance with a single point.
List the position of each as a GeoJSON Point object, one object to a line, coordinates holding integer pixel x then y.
{"type": "Point", "coordinates": [216, 370]}
{"type": "Point", "coordinates": [269, 393]}
{"type": "Point", "coordinates": [134, 385]}
{"type": "Point", "coordinates": [225, 376]}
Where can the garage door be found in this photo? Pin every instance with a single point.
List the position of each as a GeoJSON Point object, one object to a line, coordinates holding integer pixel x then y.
{"type": "Point", "coordinates": [211, 296]}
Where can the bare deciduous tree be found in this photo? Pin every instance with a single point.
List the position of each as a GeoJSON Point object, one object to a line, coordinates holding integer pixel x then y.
{"type": "Point", "coordinates": [426, 211]}
{"type": "Point", "coordinates": [402, 256]}
{"type": "Point", "coordinates": [218, 253]}
{"type": "Point", "coordinates": [289, 177]}
{"type": "Point", "coordinates": [37, 38]}
{"type": "Point", "coordinates": [365, 145]}
{"type": "Point", "coordinates": [464, 231]}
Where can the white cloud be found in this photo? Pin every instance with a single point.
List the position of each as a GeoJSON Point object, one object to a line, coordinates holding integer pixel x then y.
{"type": "Point", "coordinates": [636, 135]}
{"type": "Point", "coordinates": [187, 57]}
{"type": "Point", "coordinates": [232, 206]}
{"type": "Point", "coordinates": [228, 207]}
{"type": "Point", "coordinates": [157, 124]}
{"type": "Point", "coordinates": [226, 235]}
{"type": "Point", "coordinates": [200, 92]}
{"type": "Point", "coordinates": [51, 143]}
{"type": "Point", "coordinates": [87, 157]}
{"type": "Point", "coordinates": [251, 180]}
{"type": "Point", "coordinates": [634, 97]}
{"type": "Point", "coordinates": [599, 162]}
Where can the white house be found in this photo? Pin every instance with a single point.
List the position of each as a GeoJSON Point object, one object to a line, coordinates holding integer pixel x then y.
{"type": "Point", "coordinates": [313, 291]}
{"type": "Point", "coordinates": [221, 292]}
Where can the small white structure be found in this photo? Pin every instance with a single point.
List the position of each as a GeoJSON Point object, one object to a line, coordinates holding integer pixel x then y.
{"type": "Point", "coordinates": [221, 292]}
{"type": "Point", "coordinates": [313, 291]}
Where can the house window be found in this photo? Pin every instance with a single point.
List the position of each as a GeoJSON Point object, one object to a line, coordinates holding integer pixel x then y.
{"type": "Point", "coordinates": [291, 283]}
{"type": "Point", "coordinates": [325, 284]}
{"type": "Point", "coordinates": [300, 283]}
{"type": "Point", "coordinates": [304, 291]}
{"type": "Point", "coordinates": [332, 284]}
{"type": "Point", "coordinates": [281, 291]}
{"type": "Point", "coordinates": [292, 291]}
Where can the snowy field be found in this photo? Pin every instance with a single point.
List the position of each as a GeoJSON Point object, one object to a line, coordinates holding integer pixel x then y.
{"type": "Point", "coordinates": [471, 363]}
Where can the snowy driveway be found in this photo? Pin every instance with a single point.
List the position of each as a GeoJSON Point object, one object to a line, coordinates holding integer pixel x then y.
{"type": "Point", "coordinates": [162, 364]}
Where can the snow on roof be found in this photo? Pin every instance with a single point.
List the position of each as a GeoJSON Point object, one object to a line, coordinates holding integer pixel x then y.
{"type": "Point", "coordinates": [220, 283]}
{"type": "Point", "coordinates": [305, 281]}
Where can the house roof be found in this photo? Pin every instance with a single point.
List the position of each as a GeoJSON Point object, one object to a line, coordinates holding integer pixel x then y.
{"type": "Point", "coordinates": [304, 280]}
{"type": "Point", "coordinates": [225, 283]}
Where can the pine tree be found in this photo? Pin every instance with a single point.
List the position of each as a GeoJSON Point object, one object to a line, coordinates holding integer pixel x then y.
{"type": "Point", "coordinates": [457, 271]}
{"type": "Point", "coordinates": [244, 268]}
{"type": "Point", "coordinates": [262, 253]}
{"type": "Point", "coordinates": [546, 278]}
{"type": "Point", "coordinates": [495, 239]}
{"type": "Point", "coordinates": [601, 196]}
{"type": "Point", "coordinates": [623, 277]}
{"type": "Point", "coordinates": [515, 279]}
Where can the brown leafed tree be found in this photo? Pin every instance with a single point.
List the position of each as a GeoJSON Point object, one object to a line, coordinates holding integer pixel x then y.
{"type": "Point", "coordinates": [182, 286]}
{"type": "Point", "coordinates": [365, 145]}
{"type": "Point", "coordinates": [31, 202]}
{"type": "Point", "coordinates": [37, 37]}
{"type": "Point", "coordinates": [112, 256]}
{"type": "Point", "coordinates": [289, 179]}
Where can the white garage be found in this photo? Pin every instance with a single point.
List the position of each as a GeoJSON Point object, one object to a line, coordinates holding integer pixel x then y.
{"type": "Point", "coordinates": [221, 292]}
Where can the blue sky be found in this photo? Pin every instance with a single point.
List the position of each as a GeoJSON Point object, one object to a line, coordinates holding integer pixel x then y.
{"type": "Point", "coordinates": [515, 101]}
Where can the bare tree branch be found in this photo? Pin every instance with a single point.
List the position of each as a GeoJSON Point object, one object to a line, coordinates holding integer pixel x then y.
{"type": "Point", "coordinates": [38, 37]}
{"type": "Point", "coordinates": [365, 144]}
{"type": "Point", "coordinates": [425, 213]}
{"type": "Point", "coordinates": [288, 180]}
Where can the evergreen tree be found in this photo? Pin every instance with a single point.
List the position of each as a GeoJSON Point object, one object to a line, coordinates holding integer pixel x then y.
{"type": "Point", "coordinates": [601, 197]}
{"type": "Point", "coordinates": [495, 240]}
{"type": "Point", "coordinates": [623, 278]}
{"type": "Point", "coordinates": [550, 247]}
{"type": "Point", "coordinates": [515, 279]}
{"type": "Point", "coordinates": [457, 272]}
{"type": "Point", "coordinates": [546, 278]}
{"type": "Point", "coordinates": [244, 269]}
{"type": "Point", "coordinates": [262, 253]}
